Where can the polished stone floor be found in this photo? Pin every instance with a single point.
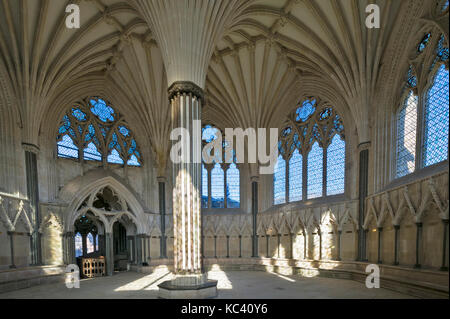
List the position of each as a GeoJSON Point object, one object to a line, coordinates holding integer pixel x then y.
{"type": "Point", "coordinates": [232, 285]}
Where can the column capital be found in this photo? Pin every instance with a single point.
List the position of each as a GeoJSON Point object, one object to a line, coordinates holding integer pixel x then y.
{"type": "Point", "coordinates": [31, 148]}
{"type": "Point", "coordinates": [364, 146]}
{"type": "Point", "coordinates": [161, 179]}
{"type": "Point", "coordinates": [185, 87]}
{"type": "Point", "coordinates": [254, 179]}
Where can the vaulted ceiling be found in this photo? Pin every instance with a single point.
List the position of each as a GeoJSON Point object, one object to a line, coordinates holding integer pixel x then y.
{"type": "Point", "coordinates": [271, 54]}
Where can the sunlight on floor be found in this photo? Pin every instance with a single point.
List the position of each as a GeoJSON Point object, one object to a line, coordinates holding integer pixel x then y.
{"type": "Point", "coordinates": [149, 282]}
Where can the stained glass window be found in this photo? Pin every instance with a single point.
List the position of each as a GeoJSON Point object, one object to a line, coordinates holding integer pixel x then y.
{"type": "Point", "coordinates": [100, 132]}
{"type": "Point", "coordinates": [406, 135]}
{"type": "Point", "coordinates": [437, 119]}
{"type": "Point", "coordinates": [295, 177]}
{"type": "Point", "coordinates": [233, 191]}
{"type": "Point", "coordinates": [336, 166]}
{"type": "Point", "coordinates": [314, 123]}
{"type": "Point", "coordinates": [279, 181]}
{"type": "Point", "coordinates": [315, 172]}
{"type": "Point", "coordinates": [217, 187]}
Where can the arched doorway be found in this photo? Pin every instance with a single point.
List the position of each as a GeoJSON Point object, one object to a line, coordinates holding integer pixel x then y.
{"type": "Point", "coordinates": [105, 224]}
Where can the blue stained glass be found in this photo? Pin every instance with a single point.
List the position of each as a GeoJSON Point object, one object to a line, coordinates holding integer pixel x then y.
{"type": "Point", "coordinates": [295, 176]}
{"type": "Point", "coordinates": [336, 166]}
{"type": "Point", "coordinates": [441, 52]}
{"type": "Point", "coordinates": [444, 6]}
{"type": "Point", "coordinates": [437, 119]}
{"type": "Point", "coordinates": [423, 44]}
{"type": "Point", "coordinates": [411, 79]}
{"type": "Point", "coordinates": [124, 131]}
{"type": "Point", "coordinates": [233, 187]}
{"type": "Point", "coordinates": [217, 187]}
{"type": "Point", "coordinates": [114, 157]}
{"type": "Point", "coordinates": [91, 134]}
{"type": "Point", "coordinates": [104, 112]}
{"type": "Point", "coordinates": [66, 148]}
{"type": "Point", "coordinates": [133, 161]}
{"type": "Point", "coordinates": [204, 187]}
{"type": "Point", "coordinates": [279, 181]}
{"type": "Point", "coordinates": [315, 172]}
{"type": "Point", "coordinates": [78, 245]}
{"type": "Point", "coordinates": [210, 133]}
{"type": "Point", "coordinates": [306, 110]}
{"type": "Point", "coordinates": [79, 115]}
{"type": "Point", "coordinates": [406, 136]}
{"type": "Point", "coordinates": [325, 114]}
{"type": "Point", "coordinates": [91, 153]}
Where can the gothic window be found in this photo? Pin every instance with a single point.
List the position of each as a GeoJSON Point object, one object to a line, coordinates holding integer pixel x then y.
{"type": "Point", "coordinates": [336, 166]}
{"type": "Point", "coordinates": [220, 180]}
{"type": "Point", "coordinates": [436, 119]}
{"type": "Point", "coordinates": [312, 154]}
{"type": "Point", "coordinates": [204, 187]}
{"type": "Point", "coordinates": [295, 177]}
{"type": "Point", "coordinates": [90, 243]}
{"type": "Point", "coordinates": [233, 192]}
{"type": "Point", "coordinates": [93, 131]}
{"type": "Point", "coordinates": [78, 245]}
{"type": "Point", "coordinates": [315, 171]}
{"type": "Point", "coordinates": [425, 100]}
{"type": "Point", "coordinates": [406, 135]}
{"type": "Point", "coordinates": [279, 181]}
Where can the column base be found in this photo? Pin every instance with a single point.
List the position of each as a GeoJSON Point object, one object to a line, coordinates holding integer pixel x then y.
{"type": "Point", "coordinates": [188, 287]}
{"type": "Point", "coordinates": [444, 268]}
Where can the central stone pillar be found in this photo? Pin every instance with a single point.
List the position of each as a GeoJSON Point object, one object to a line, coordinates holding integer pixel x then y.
{"type": "Point", "coordinates": [187, 32]}
{"type": "Point", "coordinates": [190, 280]}
{"type": "Point", "coordinates": [185, 99]}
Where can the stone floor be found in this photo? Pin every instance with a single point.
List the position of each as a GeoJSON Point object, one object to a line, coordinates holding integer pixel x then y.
{"type": "Point", "coordinates": [232, 285]}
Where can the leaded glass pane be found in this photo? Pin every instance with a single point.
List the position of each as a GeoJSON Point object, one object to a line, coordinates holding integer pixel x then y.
{"type": "Point", "coordinates": [104, 112]}
{"type": "Point", "coordinates": [295, 177]}
{"type": "Point", "coordinates": [114, 157]}
{"type": "Point", "coordinates": [133, 161]}
{"type": "Point", "coordinates": [66, 148]}
{"type": "Point", "coordinates": [217, 187]}
{"type": "Point", "coordinates": [336, 166]}
{"type": "Point", "coordinates": [78, 245]}
{"type": "Point", "coordinates": [233, 184]}
{"type": "Point", "coordinates": [306, 110]}
{"type": "Point", "coordinates": [91, 153]}
{"type": "Point", "coordinates": [315, 172]}
{"type": "Point", "coordinates": [436, 123]}
{"type": "Point", "coordinates": [90, 243]}
{"type": "Point", "coordinates": [279, 181]}
{"type": "Point", "coordinates": [204, 187]}
{"type": "Point", "coordinates": [406, 136]}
